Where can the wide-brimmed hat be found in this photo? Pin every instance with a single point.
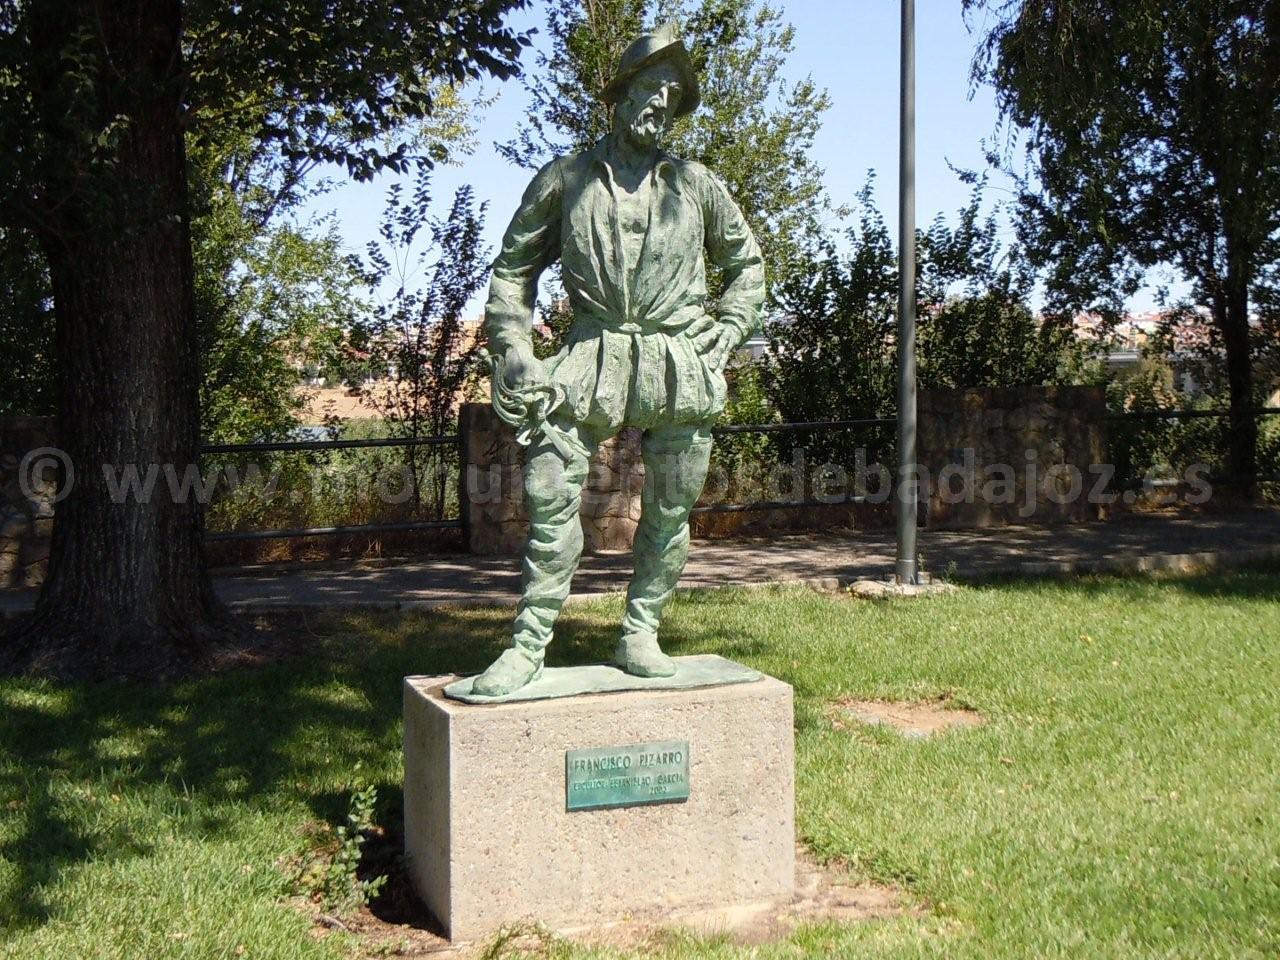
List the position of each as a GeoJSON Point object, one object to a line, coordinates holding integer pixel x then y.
{"type": "Point", "coordinates": [663, 44]}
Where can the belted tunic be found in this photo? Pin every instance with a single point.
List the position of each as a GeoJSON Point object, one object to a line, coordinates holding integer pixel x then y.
{"type": "Point", "coordinates": [627, 359]}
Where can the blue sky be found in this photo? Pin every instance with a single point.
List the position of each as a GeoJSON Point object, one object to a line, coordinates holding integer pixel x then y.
{"type": "Point", "coordinates": [850, 47]}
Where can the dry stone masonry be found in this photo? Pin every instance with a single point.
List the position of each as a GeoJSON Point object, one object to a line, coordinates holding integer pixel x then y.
{"type": "Point", "coordinates": [1042, 438]}
{"type": "Point", "coordinates": [26, 505]}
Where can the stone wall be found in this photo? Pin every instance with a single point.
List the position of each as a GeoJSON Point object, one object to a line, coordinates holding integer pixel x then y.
{"type": "Point", "coordinates": [26, 503]}
{"type": "Point", "coordinates": [1045, 440]}
{"type": "Point", "coordinates": [783, 521]}
{"type": "Point", "coordinates": [966, 431]}
{"type": "Point", "coordinates": [493, 509]}
{"type": "Point", "coordinates": [1035, 449]}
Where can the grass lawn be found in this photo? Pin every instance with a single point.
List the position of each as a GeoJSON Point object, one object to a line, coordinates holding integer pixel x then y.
{"type": "Point", "coordinates": [1122, 801]}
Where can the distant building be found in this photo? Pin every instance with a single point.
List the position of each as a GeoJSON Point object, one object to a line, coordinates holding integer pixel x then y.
{"type": "Point", "coordinates": [327, 397]}
{"type": "Point", "coordinates": [755, 347]}
{"type": "Point", "coordinates": [1123, 346]}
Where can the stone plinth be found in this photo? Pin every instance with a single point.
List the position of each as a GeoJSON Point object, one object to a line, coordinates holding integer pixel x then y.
{"type": "Point", "coordinates": [491, 842]}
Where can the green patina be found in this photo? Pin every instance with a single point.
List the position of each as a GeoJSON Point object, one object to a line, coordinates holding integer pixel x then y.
{"type": "Point", "coordinates": [632, 229]}
{"type": "Point", "coordinates": [704, 670]}
{"type": "Point", "coordinates": [626, 776]}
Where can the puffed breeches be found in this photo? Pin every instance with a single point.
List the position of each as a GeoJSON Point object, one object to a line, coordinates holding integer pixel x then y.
{"type": "Point", "coordinates": [675, 456]}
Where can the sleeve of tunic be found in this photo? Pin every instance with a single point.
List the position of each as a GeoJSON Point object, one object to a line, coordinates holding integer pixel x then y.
{"type": "Point", "coordinates": [733, 248]}
{"type": "Point", "coordinates": [530, 245]}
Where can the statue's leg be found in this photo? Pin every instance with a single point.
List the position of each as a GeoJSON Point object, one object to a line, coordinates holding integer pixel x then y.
{"type": "Point", "coordinates": [675, 464]}
{"type": "Point", "coordinates": [553, 480]}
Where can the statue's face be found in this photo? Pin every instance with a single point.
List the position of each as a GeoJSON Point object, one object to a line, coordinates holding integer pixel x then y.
{"type": "Point", "coordinates": [649, 106]}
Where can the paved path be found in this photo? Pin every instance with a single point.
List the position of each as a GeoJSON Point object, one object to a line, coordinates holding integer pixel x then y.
{"type": "Point", "coordinates": [830, 560]}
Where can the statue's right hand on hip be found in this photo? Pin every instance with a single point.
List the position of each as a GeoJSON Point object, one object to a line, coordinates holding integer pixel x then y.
{"type": "Point", "coordinates": [714, 340]}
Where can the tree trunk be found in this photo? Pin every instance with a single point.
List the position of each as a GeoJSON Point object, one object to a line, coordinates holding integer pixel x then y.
{"type": "Point", "coordinates": [127, 592]}
{"type": "Point", "coordinates": [1243, 429]}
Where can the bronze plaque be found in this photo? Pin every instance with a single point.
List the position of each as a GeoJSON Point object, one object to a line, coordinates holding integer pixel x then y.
{"type": "Point", "coordinates": [626, 776]}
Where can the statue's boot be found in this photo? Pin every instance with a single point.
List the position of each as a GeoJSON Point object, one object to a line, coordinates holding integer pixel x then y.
{"type": "Point", "coordinates": [517, 666]}
{"type": "Point", "coordinates": [639, 655]}
{"type": "Point", "coordinates": [553, 479]}
{"type": "Point", "coordinates": [675, 466]}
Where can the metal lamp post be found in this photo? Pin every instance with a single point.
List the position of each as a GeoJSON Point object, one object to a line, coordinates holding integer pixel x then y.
{"type": "Point", "coordinates": [905, 489]}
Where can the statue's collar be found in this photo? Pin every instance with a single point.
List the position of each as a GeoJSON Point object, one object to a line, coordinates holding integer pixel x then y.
{"type": "Point", "coordinates": [663, 166]}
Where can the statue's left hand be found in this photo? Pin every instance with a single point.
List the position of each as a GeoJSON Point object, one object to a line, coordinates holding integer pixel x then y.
{"type": "Point", "coordinates": [715, 341]}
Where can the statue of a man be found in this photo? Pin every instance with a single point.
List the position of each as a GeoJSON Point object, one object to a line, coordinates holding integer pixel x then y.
{"type": "Point", "coordinates": [629, 225]}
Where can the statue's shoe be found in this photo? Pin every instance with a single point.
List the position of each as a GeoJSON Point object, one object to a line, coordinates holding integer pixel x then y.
{"type": "Point", "coordinates": [511, 671]}
{"type": "Point", "coordinates": [639, 655]}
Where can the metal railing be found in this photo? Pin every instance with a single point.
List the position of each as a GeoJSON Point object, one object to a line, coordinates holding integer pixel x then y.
{"type": "Point", "coordinates": [295, 446]}
{"type": "Point", "coordinates": [454, 440]}
{"type": "Point", "coordinates": [802, 426]}
{"type": "Point", "coordinates": [794, 427]}
{"type": "Point", "coordinates": [326, 446]}
{"type": "Point", "coordinates": [1137, 417]}
{"type": "Point", "coordinates": [455, 523]}
{"type": "Point", "coordinates": [1127, 415]}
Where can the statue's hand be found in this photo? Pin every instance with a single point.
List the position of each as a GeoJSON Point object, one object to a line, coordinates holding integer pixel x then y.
{"type": "Point", "coordinates": [523, 395]}
{"type": "Point", "coordinates": [715, 341]}
{"type": "Point", "coordinates": [522, 370]}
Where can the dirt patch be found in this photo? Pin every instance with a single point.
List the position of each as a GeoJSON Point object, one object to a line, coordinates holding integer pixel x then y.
{"type": "Point", "coordinates": [918, 719]}
{"type": "Point", "coordinates": [397, 925]}
{"type": "Point", "coordinates": [823, 892]}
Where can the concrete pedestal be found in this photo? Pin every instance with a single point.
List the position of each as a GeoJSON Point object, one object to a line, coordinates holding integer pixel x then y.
{"type": "Point", "coordinates": [491, 840]}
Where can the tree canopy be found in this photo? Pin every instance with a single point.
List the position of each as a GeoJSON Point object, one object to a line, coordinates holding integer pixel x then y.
{"type": "Point", "coordinates": [1151, 131]}
{"type": "Point", "coordinates": [99, 102]}
{"type": "Point", "coordinates": [833, 339]}
{"type": "Point", "coordinates": [309, 82]}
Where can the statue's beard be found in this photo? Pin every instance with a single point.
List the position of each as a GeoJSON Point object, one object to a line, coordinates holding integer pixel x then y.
{"type": "Point", "coordinates": [647, 126]}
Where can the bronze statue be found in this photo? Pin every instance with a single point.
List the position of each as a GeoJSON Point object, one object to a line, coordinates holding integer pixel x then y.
{"type": "Point", "coordinates": [629, 225]}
